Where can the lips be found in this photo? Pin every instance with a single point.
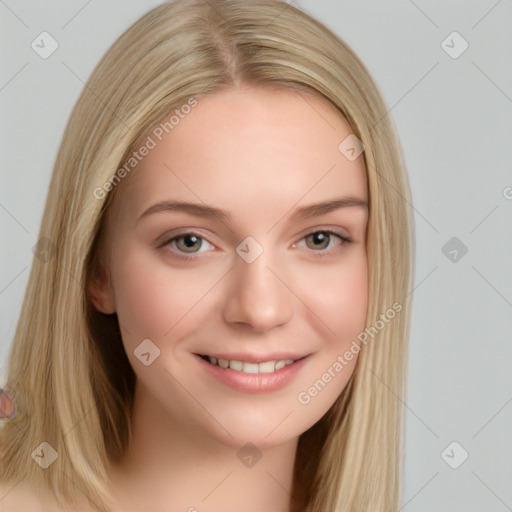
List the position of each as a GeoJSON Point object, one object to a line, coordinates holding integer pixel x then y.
{"type": "Point", "coordinates": [254, 357]}
{"type": "Point", "coordinates": [238, 371]}
{"type": "Point", "coordinates": [266, 366]}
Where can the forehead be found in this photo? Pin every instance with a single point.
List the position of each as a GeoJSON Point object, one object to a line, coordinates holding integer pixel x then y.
{"type": "Point", "coordinates": [242, 148]}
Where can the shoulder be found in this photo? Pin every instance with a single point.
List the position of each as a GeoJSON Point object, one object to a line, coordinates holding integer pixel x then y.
{"type": "Point", "coordinates": [18, 495]}
{"type": "Point", "coordinates": [14, 495]}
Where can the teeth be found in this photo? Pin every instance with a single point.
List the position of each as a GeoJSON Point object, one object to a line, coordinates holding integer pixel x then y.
{"type": "Point", "coordinates": [246, 367]}
{"type": "Point", "coordinates": [267, 367]}
{"type": "Point", "coordinates": [250, 368]}
{"type": "Point", "coordinates": [236, 365]}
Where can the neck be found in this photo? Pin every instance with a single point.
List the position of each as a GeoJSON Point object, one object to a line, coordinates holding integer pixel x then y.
{"type": "Point", "coordinates": [170, 464]}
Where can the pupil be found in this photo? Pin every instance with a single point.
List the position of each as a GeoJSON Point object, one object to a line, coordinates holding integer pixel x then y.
{"type": "Point", "coordinates": [320, 239]}
{"type": "Point", "coordinates": [190, 242]}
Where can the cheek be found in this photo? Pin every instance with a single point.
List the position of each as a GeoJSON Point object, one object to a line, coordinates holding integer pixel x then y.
{"type": "Point", "coordinates": [340, 301]}
{"type": "Point", "coordinates": [152, 299]}
{"type": "Point", "coordinates": [338, 295]}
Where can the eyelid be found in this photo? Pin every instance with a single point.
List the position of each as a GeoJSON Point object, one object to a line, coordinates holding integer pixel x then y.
{"type": "Point", "coordinates": [344, 240]}
{"type": "Point", "coordinates": [170, 237]}
{"type": "Point", "coordinates": [333, 230]}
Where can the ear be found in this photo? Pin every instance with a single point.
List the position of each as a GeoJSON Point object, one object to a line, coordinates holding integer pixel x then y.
{"type": "Point", "coordinates": [100, 290]}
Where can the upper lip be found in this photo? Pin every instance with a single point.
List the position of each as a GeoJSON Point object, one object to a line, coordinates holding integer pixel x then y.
{"type": "Point", "coordinates": [254, 358]}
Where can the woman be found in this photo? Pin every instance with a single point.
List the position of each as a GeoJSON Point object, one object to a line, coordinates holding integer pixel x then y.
{"type": "Point", "coordinates": [220, 317]}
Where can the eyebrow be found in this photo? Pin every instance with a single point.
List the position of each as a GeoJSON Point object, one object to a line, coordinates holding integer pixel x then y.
{"type": "Point", "coordinates": [206, 211]}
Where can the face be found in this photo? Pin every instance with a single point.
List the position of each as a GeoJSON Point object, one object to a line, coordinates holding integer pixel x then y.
{"type": "Point", "coordinates": [239, 241]}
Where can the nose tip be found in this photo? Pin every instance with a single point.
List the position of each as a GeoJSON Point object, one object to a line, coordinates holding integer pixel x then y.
{"type": "Point", "coordinates": [257, 297]}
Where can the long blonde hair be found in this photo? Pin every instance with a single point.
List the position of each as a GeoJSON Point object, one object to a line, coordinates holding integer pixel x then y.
{"type": "Point", "coordinates": [67, 367]}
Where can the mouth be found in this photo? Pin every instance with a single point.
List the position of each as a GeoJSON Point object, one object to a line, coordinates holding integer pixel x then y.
{"type": "Point", "coordinates": [270, 366]}
{"type": "Point", "coordinates": [251, 373]}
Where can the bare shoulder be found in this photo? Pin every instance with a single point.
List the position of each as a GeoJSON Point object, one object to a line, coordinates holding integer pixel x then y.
{"type": "Point", "coordinates": [17, 495]}
{"type": "Point", "coordinates": [14, 495]}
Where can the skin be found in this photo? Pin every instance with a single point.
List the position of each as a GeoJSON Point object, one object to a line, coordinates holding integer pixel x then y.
{"type": "Point", "coordinates": [259, 155]}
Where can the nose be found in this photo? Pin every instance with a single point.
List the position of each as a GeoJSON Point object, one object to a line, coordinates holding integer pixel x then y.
{"type": "Point", "coordinates": [257, 296]}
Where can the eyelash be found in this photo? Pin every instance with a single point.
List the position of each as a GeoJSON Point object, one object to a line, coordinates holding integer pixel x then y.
{"type": "Point", "coordinates": [344, 241]}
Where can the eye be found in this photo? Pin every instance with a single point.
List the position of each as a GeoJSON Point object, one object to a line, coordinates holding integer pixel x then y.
{"type": "Point", "coordinates": [323, 240]}
{"type": "Point", "coordinates": [318, 240]}
{"type": "Point", "coordinates": [188, 243]}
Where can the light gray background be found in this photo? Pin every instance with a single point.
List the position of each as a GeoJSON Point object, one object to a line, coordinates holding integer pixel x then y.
{"type": "Point", "coordinates": [454, 119]}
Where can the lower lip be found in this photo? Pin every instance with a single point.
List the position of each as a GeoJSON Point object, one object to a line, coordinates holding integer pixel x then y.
{"type": "Point", "coordinates": [254, 382]}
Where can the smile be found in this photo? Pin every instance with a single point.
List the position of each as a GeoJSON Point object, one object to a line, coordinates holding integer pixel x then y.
{"type": "Point", "coordinates": [248, 367]}
{"type": "Point", "coordinates": [251, 373]}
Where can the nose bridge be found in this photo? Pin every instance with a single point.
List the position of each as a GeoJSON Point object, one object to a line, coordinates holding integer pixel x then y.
{"type": "Point", "coordinates": [257, 297]}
